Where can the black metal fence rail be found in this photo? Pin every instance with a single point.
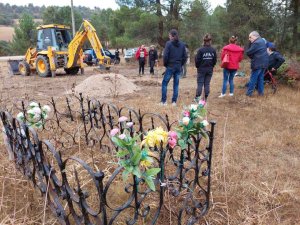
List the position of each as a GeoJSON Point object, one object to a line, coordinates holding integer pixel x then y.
{"type": "Point", "coordinates": [77, 193]}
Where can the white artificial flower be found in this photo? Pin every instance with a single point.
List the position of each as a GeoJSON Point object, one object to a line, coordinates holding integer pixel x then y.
{"type": "Point", "coordinates": [31, 113]}
{"type": "Point", "coordinates": [46, 108]}
{"type": "Point", "coordinates": [185, 120]}
{"type": "Point", "coordinates": [37, 110]}
{"type": "Point", "coordinates": [205, 123]}
{"type": "Point", "coordinates": [20, 116]}
{"type": "Point", "coordinates": [193, 107]}
{"type": "Point", "coordinates": [33, 104]}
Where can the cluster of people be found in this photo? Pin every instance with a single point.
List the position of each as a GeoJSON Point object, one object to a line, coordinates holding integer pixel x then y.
{"type": "Point", "coordinates": [141, 55]}
{"type": "Point", "coordinates": [263, 57]}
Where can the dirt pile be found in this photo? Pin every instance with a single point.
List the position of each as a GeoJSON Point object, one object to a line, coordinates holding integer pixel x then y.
{"type": "Point", "coordinates": [106, 85]}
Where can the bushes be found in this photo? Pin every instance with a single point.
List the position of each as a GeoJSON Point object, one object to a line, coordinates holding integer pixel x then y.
{"type": "Point", "coordinates": [289, 72]}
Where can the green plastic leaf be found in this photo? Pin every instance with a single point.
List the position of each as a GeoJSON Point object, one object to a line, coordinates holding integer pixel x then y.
{"type": "Point", "coordinates": [182, 144]}
{"type": "Point", "coordinates": [136, 158]}
{"type": "Point", "coordinates": [136, 171]}
{"type": "Point", "coordinates": [122, 153]}
{"type": "Point", "coordinates": [150, 183]}
{"type": "Point", "coordinates": [125, 175]}
{"type": "Point", "coordinates": [152, 172]}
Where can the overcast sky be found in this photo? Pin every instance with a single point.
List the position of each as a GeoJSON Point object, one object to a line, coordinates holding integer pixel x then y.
{"type": "Point", "coordinates": [102, 4]}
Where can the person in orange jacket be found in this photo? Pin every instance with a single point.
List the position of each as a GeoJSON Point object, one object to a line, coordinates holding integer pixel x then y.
{"type": "Point", "coordinates": [141, 56]}
{"type": "Point", "coordinates": [235, 53]}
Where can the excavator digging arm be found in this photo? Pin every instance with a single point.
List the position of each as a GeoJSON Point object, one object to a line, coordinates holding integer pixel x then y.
{"type": "Point", "coordinates": [86, 32]}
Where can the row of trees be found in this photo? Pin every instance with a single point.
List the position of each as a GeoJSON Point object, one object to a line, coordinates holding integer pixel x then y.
{"type": "Point", "coordinates": [148, 22]}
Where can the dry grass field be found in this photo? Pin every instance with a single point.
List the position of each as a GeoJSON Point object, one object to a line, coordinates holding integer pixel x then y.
{"type": "Point", "coordinates": [256, 158]}
{"type": "Point", "coordinates": [6, 33]}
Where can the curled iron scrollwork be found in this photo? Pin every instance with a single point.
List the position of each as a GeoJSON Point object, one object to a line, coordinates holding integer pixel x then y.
{"type": "Point", "coordinates": [91, 190]}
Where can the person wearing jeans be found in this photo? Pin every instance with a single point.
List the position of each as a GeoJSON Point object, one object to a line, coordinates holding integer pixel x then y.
{"type": "Point", "coordinates": [174, 72]}
{"type": "Point", "coordinates": [235, 54]}
{"type": "Point", "coordinates": [257, 52]}
{"type": "Point", "coordinates": [228, 76]}
{"type": "Point", "coordinates": [174, 58]}
{"type": "Point", "coordinates": [257, 77]}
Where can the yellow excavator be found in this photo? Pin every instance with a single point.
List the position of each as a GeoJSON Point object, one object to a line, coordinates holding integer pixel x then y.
{"type": "Point", "coordinates": [56, 49]}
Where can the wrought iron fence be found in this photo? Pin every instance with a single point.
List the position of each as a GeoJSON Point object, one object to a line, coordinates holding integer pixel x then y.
{"type": "Point", "coordinates": [91, 191]}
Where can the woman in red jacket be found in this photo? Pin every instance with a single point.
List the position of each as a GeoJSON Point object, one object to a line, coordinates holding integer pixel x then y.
{"type": "Point", "coordinates": [141, 56]}
{"type": "Point", "coordinates": [235, 54]}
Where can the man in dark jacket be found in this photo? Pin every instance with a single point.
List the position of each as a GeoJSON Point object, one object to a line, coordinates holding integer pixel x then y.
{"type": "Point", "coordinates": [205, 60]}
{"type": "Point", "coordinates": [257, 52]}
{"type": "Point", "coordinates": [152, 58]}
{"type": "Point", "coordinates": [174, 58]}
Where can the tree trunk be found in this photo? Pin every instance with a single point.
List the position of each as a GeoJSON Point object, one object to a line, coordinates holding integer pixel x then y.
{"type": "Point", "coordinates": [160, 38]}
{"type": "Point", "coordinates": [296, 35]}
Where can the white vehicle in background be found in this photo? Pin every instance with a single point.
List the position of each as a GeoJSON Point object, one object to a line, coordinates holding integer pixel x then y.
{"type": "Point", "coordinates": [130, 54]}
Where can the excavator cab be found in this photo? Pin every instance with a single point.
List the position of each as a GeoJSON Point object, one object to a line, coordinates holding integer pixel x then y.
{"type": "Point", "coordinates": [58, 37]}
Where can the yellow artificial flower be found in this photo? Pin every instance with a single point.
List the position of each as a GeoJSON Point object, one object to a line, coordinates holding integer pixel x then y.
{"type": "Point", "coordinates": [155, 137]}
{"type": "Point", "coordinates": [145, 163]}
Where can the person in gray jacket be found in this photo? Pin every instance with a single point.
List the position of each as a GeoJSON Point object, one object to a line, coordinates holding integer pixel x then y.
{"type": "Point", "coordinates": [257, 52]}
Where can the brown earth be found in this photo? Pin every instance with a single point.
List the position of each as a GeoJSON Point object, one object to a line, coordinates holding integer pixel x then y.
{"type": "Point", "coordinates": [256, 158]}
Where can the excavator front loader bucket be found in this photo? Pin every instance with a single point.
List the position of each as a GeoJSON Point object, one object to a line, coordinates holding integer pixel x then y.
{"type": "Point", "coordinates": [13, 66]}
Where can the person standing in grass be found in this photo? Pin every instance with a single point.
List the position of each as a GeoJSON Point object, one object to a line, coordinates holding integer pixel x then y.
{"type": "Point", "coordinates": [257, 52]}
{"type": "Point", "coordinates": [174, 58]}
{"type": "Point", "coordinates": [141, 56]}
{"type": "Point", "coordinates": [152, 58]}
{"type": "Point", "coordinates": [205, 60]}
{"type": "Point", "coordinates": [235, 54]}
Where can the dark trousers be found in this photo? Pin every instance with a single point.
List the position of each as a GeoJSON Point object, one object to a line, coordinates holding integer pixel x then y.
{"type": "Point", "coordinates": [141, 65]}
{"type": "Point", "coordinates": [152, 64]}
{"type": "Point", "coordinates": [203, 79]}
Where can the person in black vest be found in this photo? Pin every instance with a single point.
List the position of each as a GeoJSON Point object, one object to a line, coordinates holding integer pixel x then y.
{"type": "Point", "coordinates": [205, 60]}
{"type": "Point", "coordinates": [152, 58]}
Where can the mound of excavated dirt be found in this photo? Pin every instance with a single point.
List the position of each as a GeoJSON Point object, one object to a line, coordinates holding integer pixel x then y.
{"type": "Point", "coordinates": [106, 85]}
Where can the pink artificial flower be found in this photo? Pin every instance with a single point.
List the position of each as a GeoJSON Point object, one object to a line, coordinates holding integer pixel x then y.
{"type": "Point", "coordinates": [114, 131]}
{"type": "Point", "coordinates": [186, 113]}
{"type": "Point", "coordinates": [122, 136]}
{"type": "Point", "coordinates": [202, 102]}
{"type": "Point", "coordinates": [129, 124]}
{"type": "Point", "coordinates": [173, 134]}
{"type": "Point", "coordinates": [123, 119]}
{"type": "Point", "coordinates": [172, 142]}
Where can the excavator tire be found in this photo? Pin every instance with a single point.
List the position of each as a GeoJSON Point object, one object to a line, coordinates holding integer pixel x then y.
{"type": "Point", "coordinates": [72, 71]}
{"type": "Point", "coordinates": [24, 68]}
{"type": "Point", "coordinates": [42, 66]}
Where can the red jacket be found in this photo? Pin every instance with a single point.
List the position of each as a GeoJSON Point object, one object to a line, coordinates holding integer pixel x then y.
{"type": "Point", "coordinates": [138, 52]}
{"type": "Point", "coordinates": [235, 55]}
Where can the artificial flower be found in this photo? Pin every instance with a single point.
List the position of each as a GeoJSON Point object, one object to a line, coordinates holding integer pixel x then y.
{"type": "Point", "coordinates": [172, 142]}
{"type": "Point", "coordinates": [193, 107]}
{"type": "Point", "coordinates": [114, 131]}
{"type": "Point", "coordinates": [122, 136]}
{"type": "Point", "coordinates": [123, 119]}
{"type": "Point", "coordinates": [33, 104]}
{"type": "Point", "coordinates": [204, 123]}
{"type": "Point", "coordinates": [185, 120]}
{"type": "Point", "coordinates": [186, 113]}
{"type": "Point", "coordinates": [173, 134]}
{"type": "Point", "coordinates": [202, 102]}
{"type": "Point", "coordinates": [46, 108]}
{"type": "Point", "coordinates": [129, 124]}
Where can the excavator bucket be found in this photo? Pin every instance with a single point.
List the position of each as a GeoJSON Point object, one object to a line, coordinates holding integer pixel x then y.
{"type": "Point", "coordinates": [13, 66]}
